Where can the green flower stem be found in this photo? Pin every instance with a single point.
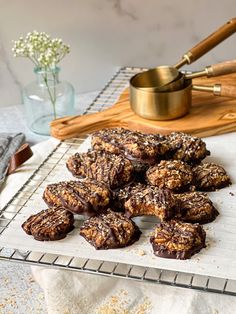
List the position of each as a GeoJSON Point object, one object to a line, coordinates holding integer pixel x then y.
{"type": "Point", "coordinates": [52, 97]}
{"type": "Point", "coordinates": [54, 88]}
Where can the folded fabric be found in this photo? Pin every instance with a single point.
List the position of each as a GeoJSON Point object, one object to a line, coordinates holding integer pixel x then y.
{"type": "Point", "coordinates": [9, 144]}
{"type": "Point", "coordinates": [77, 293]}
{"type": "Point", "coordinates": [15, 181]}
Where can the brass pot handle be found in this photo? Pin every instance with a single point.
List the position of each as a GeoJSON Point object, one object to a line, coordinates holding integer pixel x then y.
{"type": "Point", "coordinates": [208, 43]}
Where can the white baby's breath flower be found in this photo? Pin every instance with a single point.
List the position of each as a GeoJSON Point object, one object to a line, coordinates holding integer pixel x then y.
{"type": "Point", "coordinates": [44, 51]}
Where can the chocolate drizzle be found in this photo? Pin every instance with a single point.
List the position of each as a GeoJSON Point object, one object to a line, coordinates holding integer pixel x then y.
{"type": "Point", "coordinates": [195, 207]}
{"type": "Point", "coordinates": [110, 230]}
{"type": "Point", "coordinates": [138, 200]}
{"type": "Point", "coordinates": [80, 197]}
{"type": "Point", "coordinates": [50, 224]}
{"type": "Point", "coordinates": [87, 207]}
{"type": "Point", "coordinates": [172, 174]}
{"type": "Point", "coordinates": [135, 146]}
{"type": "Point", "coordinates": [178, 240]}
{"type": "Point", "coordinates": [210, 177]}
{"type": "Point", "coordinates": [187, 148]}
{"type": "Point", "coordinates": [105, 167]}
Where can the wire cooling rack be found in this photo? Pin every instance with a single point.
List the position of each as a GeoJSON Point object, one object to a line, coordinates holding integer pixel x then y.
{"type": "Point", "coordinates": [106, 98]}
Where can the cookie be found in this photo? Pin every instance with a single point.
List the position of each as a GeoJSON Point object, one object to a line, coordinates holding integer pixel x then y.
{"type": "Point", "coordinates": [210, 177]}
{"type": "Point", "coordinates": [187, 148]}
{"type": "Point", "coordinates": [195, 207]}
{"type": "Point", "coordinates": [142, 149]}
{"type": "Point", "coordinates": [105, 167]}
{"type": "Point", "coordinates": [176, 239]}
{"type": "Point", "coordinates": [80, 197]}
{"type": "Point", "coordinates": [171, 174]}
{"type": "Point", "coordinates": [139, 200]}
{"type": "Point", "coordinates": [50, 224]}
{"type": "Point", "coordinates": [110, 231]}
{"type": "Point", "coordinates": [121, 195]}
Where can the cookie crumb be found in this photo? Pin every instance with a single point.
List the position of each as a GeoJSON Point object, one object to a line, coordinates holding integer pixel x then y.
{"type": "Point", "coordinates": [143, 308]}
{"type": "Point", "coordinates": [121, 303]}
{"type": "Point", "coordinates": [140, 252]}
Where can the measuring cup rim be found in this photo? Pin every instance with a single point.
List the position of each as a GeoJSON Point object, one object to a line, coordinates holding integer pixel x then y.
{"type": "Point", "coordinates": [187, 83]}
{"type": "Point", "coordinates": [147, 72]}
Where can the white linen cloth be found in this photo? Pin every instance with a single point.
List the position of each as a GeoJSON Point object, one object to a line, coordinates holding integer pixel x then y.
{"type": "Point", "coordinates": [68, 292]}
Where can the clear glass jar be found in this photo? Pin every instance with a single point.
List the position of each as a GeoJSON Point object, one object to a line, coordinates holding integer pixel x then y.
{"type": "Point", "coordinates": [47, 99]}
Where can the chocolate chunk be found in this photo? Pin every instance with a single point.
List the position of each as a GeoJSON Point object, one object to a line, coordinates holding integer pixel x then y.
{"type": "Point", "coordinates": [109, 231]}
{"type": "Point", "coordinates": [80, 197]}
{"type": "Point", "coordinates": [50, 224]}
{"type": "Point", "coordinates": [187, 148]}
{"type": "Point", "coordinates": [105, 167]}
{"type": "Point", "coordinates": [210, 177]}
{"type": "Point", "coordinates": [195, 207]}
{"type": "Point", "coordinates": [179, 240]}
{"type": "Point", "coordinates": [171, 174]}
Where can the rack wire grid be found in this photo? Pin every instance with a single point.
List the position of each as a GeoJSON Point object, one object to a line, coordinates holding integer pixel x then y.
{"type": "Point", "coordinates": [105, 99]}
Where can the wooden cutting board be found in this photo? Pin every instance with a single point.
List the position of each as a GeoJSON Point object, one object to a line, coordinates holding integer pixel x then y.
{"type": "Point", "coordinates": [209, 115]}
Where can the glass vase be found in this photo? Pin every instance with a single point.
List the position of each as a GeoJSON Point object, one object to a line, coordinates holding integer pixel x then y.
{"type": "Point", "coordinates": [47, 99]}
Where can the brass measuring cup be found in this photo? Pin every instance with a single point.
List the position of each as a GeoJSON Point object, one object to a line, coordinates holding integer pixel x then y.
{"type": "Point", "coordinates": [172, 105]}
{"type": "Point", "coordinates": [222, 68]}
{"type": "Point", "coordinates": [167, 78]}
{"type": "Point", "coordinates": [154, 105]}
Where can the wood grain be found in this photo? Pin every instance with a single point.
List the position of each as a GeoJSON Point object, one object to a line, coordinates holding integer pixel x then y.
{"type": "Point", "coordinates": [223, 68]}
{"type": "Point", "coordinates": [209, 115]}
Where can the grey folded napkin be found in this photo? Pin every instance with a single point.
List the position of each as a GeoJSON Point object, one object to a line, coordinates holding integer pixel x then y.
{"type": "Point", "coordinates": [9, 144]}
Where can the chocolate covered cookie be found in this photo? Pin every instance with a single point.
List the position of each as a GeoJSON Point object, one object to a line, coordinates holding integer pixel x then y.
{"type": "Point", "coordinates": [80, 197]}
{"type": "Point", "coordinates": [210, 177]}
{"type": "Point", "coordinates": [121, 195]}
{"type": "Point", "coordinates": [171, 174]}
{"type": "Point", "coordinates": [139, 200]}
{"type": "Point", "coordinates": [142, 149]}
{"type": "Point", "coordinates": [109, 231]}
{"type": "Point", "coordinates": [179, 240]}
{"type": "Point", "coordinates": [105, 167]}
{"type": "Point", "coordinates": [195, 207]}
{"type": "Point", "coordinates": [187, 148]}
{"type": "Point", "coordinates": [50, 224]}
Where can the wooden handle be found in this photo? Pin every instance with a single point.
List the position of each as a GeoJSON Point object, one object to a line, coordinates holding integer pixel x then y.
{"type": "Point", "coordinates": [228, 91]}
{"type": "Point", "coordinates": [222, 68]}
{"type": "Point", "coordinates": [211, 41]}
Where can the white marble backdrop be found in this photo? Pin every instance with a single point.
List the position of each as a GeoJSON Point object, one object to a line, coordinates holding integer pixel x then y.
{"type": "Point", "coordinates": [106, 34]}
